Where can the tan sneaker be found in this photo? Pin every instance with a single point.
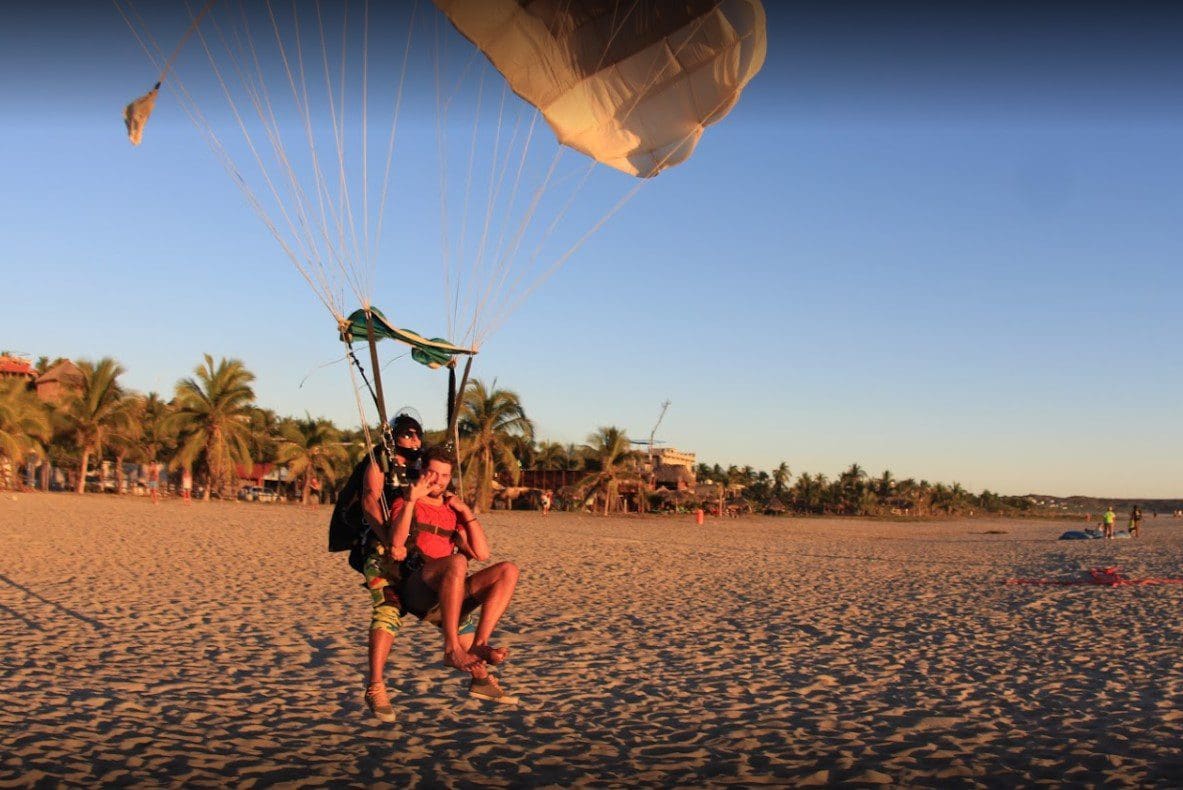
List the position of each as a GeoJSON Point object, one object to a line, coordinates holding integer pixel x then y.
{"type": "Point", "coordinates": [487, 688]}
{"type": "Point", "coordinates": [379, 702]}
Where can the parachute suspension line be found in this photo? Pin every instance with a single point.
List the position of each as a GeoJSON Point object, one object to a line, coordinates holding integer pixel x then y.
{"type": "Point", "coordinates": [262, 99]}
{"type": "Point", "coordinates": [453, 307]}
{"type": "Point", "coordinates": [507, 255]}
{"type": "Point", "coordinates": [442, 107]}
{"type": "Point", "coordinates": [398, 100]}
{"type": "Point", "coordinates": [303, 104]}
{"type": "Point", "coordinates": [168, 64]}
{"type": "Point", "coordinates": [453, 432]}
{"type": "Point", "coordinates": [255, 87]}
{"type": "Point", "coordinates": [512, 302]}
{"type": "Point", "coordinates": [366, 262]}
{"type": "Point", "coordinates": [337, 119]}
{"type": "Point", "coordinates": [519, 283]}
{"type": "Point", "coordinates": [602, 221]}
{"type": "Point", "coordinates": [440, 138]}
{"type": "Point", "coordinates": [154, 57]}
{"type": "Point", "coordinates": [321, 288]}
{"type": "Point", "coordinates": [365, 380]}
{"type": "Point", "coordinates": [256, 100]}
{"type": "Point", "coordinates": [499, 257]}
{"type": "Point", "coordinates": [189, 106]}
{"type": "Point", "coordinates": [494, 190]}
{"type": "Point", "coordinates": [454, 297]}
{"type": "Point", "coordinates": [653, 79]}
{"type": "Point", "coordinates": [615, 30]}
{"type": "Point", "coordinates": [365, 423]}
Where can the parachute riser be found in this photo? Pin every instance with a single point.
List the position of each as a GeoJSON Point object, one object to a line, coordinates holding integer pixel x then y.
{"type": "Point", "coordinates": [452, 437]}
{"type": "Point", "coordinates": [454, 400]}
{"type": "Point", "coordinates": [387, 433]}
{"type": "Point", "coordinates": [379, 398]}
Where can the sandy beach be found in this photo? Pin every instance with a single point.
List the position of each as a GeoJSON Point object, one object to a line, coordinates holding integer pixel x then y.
{"type": "Point", "coordinates": [221, 643]}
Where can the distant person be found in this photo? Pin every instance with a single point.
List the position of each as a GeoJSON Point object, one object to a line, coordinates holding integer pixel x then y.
{"type": "Point", "coordinates": [545, 502]}
{"type": "Point", "coordinates": [154, 481]}
{"type": "Point", "coordinates": [1107, 522]}
{"type": "Point", "coordinates": [187, 486]}
{"type": "Point", "coordinates": [1135, 526]}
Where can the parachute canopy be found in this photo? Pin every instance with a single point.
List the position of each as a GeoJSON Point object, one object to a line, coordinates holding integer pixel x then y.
{"type": "Point", "coordinates": [630, 84]}
{"type": "Point", "coordinates": [301, 103]}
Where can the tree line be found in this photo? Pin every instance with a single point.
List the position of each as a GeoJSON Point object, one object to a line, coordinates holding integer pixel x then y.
{"type": "Point", "coordinates": [211, 426]}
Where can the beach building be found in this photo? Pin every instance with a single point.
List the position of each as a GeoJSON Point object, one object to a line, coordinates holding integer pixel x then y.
{"type": "Point", "coordinates": [672, 468]}
{"type": "Point", "coordinates": [265, 482]}
{"type": "Point", "coordinates": [16, 368]}
{"type": "Point", "coordinates": [59, 379]}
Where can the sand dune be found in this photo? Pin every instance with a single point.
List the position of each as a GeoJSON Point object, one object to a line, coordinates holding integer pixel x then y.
{"type": "Point", "coordinates": [220, 642]}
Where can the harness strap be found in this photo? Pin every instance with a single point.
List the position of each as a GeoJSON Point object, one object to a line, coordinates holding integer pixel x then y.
{"type": "Point", "coordinates": [434, 530]}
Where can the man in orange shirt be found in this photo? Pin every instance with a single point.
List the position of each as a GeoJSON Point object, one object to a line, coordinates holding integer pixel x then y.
{"type": "Point", "coordinates": [434, 535]}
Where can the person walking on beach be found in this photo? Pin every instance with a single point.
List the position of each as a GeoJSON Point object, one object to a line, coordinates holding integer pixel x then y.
{"type": "Point", "coordinates": [435, 535]}
{"type": "Point", "coordinates": [546, 502]}
{"type": "Point", "coordinates": [1135, 526]}
{"type": "Point", "coordinates": [154, 481]}
{"type": "Point", "coordinates": [1107, 522]}
{"type": "Point", "coordinates": [187, 486]}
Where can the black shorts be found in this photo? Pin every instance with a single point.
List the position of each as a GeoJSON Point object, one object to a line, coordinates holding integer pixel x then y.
{"type": "Point", "coordinates": [417, 597]}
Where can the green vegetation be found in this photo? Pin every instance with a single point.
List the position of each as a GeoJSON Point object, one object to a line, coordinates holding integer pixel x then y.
{"type": "Point", "coordinates": [213, 427]}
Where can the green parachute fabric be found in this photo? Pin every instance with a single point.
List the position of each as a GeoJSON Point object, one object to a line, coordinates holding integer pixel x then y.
{"type": "Point", "coordinates": [433, 352]}
{"type": "Point", "coordinates": [630, 83]}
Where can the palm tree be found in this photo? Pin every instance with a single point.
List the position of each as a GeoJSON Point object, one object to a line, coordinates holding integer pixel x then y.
{"type": "Point", "coordinates": [491, 422]}
{"type": "Point", "coordinates": [265, 433]}
{"type": "Point", "coordinates": [852, 484]}
{"type": "Point", "coordinates": [211, 414]}
{"type": "Point", "coordinates": [311, 448]}
{"type": "Point", "coordinates": [156, 437]}
{"type": "Point", "coordinates": [96, 408]}
{"type": "Point", "coordinates": [780, 478]}
{"type": "Point", "coordinates": [24, 422]}
{"type": "Point", "coordinates": [551, 456]}
{"type": "Point", "coordinates": [610, 456]}
{"type": "Point", "coordinates": [126, 439]}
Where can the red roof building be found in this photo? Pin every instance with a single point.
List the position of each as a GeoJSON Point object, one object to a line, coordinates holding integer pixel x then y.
{"type": "Point", "coordinates": [16, 368]}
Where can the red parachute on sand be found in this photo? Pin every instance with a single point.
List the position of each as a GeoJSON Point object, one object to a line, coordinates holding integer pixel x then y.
{"type": "Point", "coordinates": [1106, 577]}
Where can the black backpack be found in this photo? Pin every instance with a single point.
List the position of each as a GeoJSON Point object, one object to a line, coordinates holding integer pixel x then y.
{"type": "Point", "coordinates": [347, 525]}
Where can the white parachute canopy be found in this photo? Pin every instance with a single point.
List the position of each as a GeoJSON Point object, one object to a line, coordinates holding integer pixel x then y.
{"type": "Point", "coordinates": [307, 105]}
{"type": "Point", "coordinates": [631, 85]}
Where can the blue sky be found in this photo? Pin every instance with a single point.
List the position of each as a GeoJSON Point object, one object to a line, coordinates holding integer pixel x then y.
{"type": "Point", "coordinates": [943, 241]}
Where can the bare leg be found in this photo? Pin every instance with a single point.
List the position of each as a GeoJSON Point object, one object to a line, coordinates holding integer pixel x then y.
{"type": "Point", "coordinates": [493, 587]}
{"type": "Point", "coordinates": [380, 644]}
{"type": "Point", "coordinates": [446, 577]}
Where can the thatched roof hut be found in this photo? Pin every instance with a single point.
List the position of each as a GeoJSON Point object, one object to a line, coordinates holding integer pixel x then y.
{"type": "Point", "coordinates": [53, 383]}
{"type": "Point", "coordinates": [775, 507]}
{"type": "Point", "coordinates": [679, 478]}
